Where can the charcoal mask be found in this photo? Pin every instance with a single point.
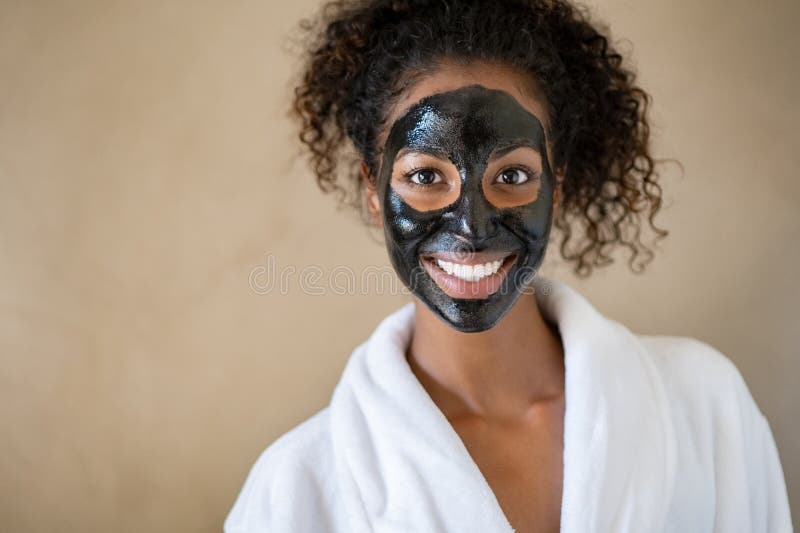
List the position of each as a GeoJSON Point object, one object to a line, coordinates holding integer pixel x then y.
{"type": "Point", "coordinates": [467, 126]}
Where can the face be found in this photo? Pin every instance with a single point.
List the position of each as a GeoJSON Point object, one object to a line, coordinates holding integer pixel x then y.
{"type": "Point", "coordinates": [465, 192]}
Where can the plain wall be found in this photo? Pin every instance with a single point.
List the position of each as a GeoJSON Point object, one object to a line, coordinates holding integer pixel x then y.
{"type": "Point", "coordinates": [147, 172]}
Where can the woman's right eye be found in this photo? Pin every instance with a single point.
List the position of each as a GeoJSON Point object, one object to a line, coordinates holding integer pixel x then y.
{"type": "Point", "coordinates": [425, 177]}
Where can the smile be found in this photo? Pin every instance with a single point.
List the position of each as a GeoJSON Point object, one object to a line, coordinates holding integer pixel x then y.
{"type": "Point", "coordinates": [469, 272]}
{"type": "Point", "coordinates": [475, 277]}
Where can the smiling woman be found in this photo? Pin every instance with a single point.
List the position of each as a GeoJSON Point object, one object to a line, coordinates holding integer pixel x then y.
{"type": "Point", "coordinates": [499, 401]}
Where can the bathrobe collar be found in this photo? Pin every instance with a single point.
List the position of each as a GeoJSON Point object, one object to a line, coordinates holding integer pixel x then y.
{"type": "Point", "coordinates": [402, 466]}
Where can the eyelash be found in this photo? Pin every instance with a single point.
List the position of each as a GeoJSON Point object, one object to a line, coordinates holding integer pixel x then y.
{"type": "Point", "coordinates": [532, 174]}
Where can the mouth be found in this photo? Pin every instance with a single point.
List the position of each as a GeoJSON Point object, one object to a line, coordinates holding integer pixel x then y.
{"type": "Point", "coordinates": [470, 278]}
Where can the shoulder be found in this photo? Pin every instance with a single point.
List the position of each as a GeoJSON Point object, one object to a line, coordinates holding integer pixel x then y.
{"type": "Point", "coordinates": [696, 373]}
{"type": "Point", "coordinates": [287, 481]}
{"type": "Point", "coordinates": [707, 396]}
{"type": "Point", "coordinates": [301, 443]}
{"type": "Point", "coordinates": [687, 355]}
{"type": "Point", "coordinates": [724, 442]}
{"type": "Point", "coordinates": [713, 411]}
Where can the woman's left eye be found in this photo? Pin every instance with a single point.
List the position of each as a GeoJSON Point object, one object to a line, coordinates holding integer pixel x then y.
{"type": "Point", "coordinates": [513, 176]}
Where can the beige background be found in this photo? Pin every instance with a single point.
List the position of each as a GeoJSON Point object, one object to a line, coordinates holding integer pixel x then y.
{"type": "Point", "coordinates": [146, 170]}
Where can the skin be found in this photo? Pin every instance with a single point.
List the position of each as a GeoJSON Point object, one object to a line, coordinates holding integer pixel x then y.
{"type": "Point", "coordinates": [502, 389]}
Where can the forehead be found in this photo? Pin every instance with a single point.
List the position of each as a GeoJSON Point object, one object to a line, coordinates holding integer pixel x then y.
{"type": "Point", "coordinates": [448, 76]}
{"type": "Point", "coordinates": [473, 118]}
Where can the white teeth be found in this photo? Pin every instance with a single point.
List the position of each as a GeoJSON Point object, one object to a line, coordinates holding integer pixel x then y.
{"type": "Point", "coordinates": [469, 272]}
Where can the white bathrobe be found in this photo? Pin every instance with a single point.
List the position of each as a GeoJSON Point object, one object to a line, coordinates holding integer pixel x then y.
{"type": "Point", "coordinates": [660, 435]}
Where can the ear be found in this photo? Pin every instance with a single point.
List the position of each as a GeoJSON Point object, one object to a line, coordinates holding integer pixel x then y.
{"type": "Point", "coordinates": [371, 195]}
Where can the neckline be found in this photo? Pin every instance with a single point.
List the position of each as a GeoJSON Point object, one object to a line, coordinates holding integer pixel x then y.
{"type": "Point", "coordinates": [615, 408]}
{"type": "Point", "coordinates": [552, 324]}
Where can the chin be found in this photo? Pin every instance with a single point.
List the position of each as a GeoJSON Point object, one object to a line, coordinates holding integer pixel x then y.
{"type": "Point", "coordinates": [473, 316]}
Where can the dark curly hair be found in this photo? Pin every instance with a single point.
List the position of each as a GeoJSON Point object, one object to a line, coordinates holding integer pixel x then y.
{"type": "Point", "coordinates": [364, 53]}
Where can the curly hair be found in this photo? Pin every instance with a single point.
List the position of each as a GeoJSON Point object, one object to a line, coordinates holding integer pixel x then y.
{"type": "Point", "coordinates": [364, 53]}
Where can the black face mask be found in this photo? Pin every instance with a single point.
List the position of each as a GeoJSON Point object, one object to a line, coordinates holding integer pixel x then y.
{"type": "Point", "coordinates": [467, 126]}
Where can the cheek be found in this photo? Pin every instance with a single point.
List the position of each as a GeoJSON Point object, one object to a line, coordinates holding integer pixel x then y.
{"type": "Point", "coordinates": [404, 225]}
{"type": "Point", "coordinates": [531, 222]}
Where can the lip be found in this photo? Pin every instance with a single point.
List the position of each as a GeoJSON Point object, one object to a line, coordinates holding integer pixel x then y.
{"type": "Point", "coordinates": [468, 290]}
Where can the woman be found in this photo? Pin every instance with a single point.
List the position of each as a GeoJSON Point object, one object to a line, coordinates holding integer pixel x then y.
{"type": "Point", "coordinates": [498, 400]}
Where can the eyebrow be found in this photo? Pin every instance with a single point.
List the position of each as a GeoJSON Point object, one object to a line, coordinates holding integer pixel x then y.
{"type": "Point", "coordinates": [421, 150]}
{"type": "Point", "coordinates": [524, 143]}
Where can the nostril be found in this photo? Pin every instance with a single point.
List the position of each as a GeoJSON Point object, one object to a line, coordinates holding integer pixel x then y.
{"type": "Point", "coordinates": [464, 251]}
{"type": "Point", "coordinates": [478, 225]}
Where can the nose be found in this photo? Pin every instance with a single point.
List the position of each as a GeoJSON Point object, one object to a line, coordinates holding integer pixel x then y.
{"type": "Point", "coordinates": [474, 218]}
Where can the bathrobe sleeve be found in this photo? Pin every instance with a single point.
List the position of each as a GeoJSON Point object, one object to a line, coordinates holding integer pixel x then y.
{"type": "Point", "coordinates": [290, 488]}
{"type": "Point", "coordinates": [765, 493]}
{"type": "Point", "coordinates": [771, 507]}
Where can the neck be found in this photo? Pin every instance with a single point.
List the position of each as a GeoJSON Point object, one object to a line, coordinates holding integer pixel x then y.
{"type": "Point", "coordinates": [502, 372]}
